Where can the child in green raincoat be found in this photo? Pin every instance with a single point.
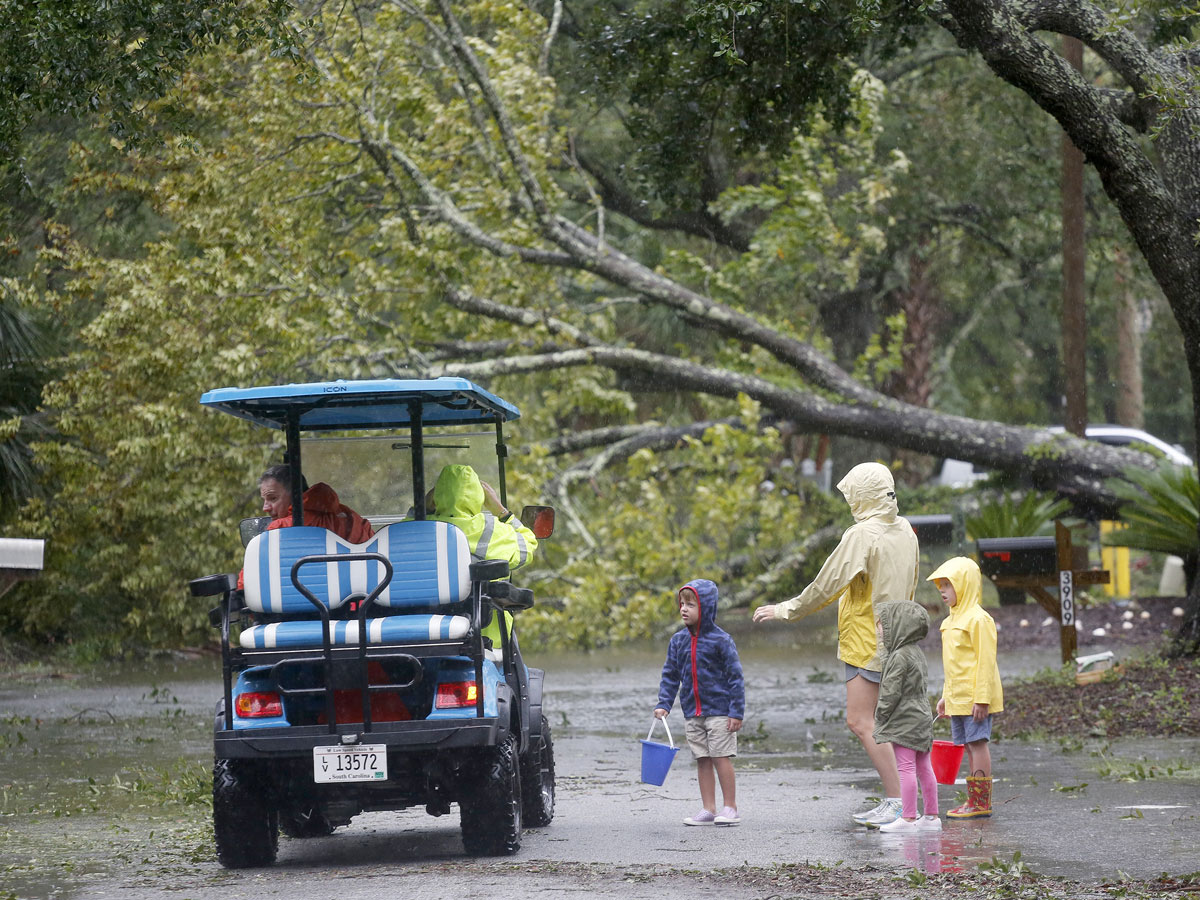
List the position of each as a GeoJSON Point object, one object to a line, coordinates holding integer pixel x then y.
{"type": "Point", "coordinates": [902, 716]}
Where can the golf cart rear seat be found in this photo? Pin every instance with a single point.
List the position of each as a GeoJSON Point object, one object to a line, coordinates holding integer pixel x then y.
{"type": "Point", "coordinates": [430, 570]}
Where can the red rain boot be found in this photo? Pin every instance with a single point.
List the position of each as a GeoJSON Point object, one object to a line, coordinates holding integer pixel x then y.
{"type": "Point", "coordinates": [979, 799]}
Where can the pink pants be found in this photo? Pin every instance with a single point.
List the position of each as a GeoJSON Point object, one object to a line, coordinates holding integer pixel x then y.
{"type": "Point", "coordinates": [914, 766]}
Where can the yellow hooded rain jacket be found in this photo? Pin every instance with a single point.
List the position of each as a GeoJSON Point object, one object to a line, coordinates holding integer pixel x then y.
{"type": "Point", "coordinates": [968, 643]}
{"type": "Point", "coordinates": [458, 499]}
{"type": "Point", "coordinates": [875, 562]}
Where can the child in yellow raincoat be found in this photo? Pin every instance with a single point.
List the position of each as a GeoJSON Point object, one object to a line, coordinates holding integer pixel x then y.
{"type": "Point", "coordinates": [971, 691]}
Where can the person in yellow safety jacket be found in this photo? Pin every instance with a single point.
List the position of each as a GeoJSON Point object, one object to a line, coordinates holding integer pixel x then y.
{"type": "Point", "coordinates": [460, 498]}
{"type": "Point", "coordinates": [875, 562]}
{"type": "Point", "coordinates": [971, 690]}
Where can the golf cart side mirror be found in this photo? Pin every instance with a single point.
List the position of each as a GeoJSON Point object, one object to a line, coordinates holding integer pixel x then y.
{"type": "Point", "coordinates": [539, 520]}
{"type": "Point", "coordinates": [252, 527]}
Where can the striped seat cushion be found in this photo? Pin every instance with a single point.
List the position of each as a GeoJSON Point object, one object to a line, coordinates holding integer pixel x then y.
{"type": "Point", "coordinates": [430, 563]}
{"type": "Point", "coordinates": [384, 630]}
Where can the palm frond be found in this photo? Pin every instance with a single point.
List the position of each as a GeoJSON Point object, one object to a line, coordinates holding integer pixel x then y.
{"type": "Point", "coordinates": [1160, 507]}
{"type": "Point", "coordinates": [1012, 515]}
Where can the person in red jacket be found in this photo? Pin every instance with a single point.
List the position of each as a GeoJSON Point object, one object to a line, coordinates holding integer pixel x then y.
{"type": "Point", "coordinates": [322, 509]}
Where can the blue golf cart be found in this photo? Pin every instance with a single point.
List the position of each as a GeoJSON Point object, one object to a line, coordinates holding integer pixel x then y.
{"type": "Point", "coordinates": [358, 677]}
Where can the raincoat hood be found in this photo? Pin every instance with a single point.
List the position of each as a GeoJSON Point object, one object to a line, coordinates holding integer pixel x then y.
{"type": "Point", "coordinates": [320, 498]}
{"type": "Point", "coordinates": [903, 622]}
{"type": "Point", "coordinates": [871, 492]}
{"type": "Point", "coordinates": [971, 671]}
{"type": "Point", "coordinates": [458, 493]}
{"type": "Point", "coordinates": [963, 573]}
{"type": "Point", "coordinates": [458, 499]}
{"type": "Point", "coordinates": [706, 593]}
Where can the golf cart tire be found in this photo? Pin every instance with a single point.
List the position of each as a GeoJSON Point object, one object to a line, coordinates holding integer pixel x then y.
{"type": "Point", "coordinates": [308, 822]}
{"type": "Point", "coordinates": [246, 827]}
{"type": "Point", "coordinates": [490, 810]}
{"type": "Point", "coordinates": [537, 779]}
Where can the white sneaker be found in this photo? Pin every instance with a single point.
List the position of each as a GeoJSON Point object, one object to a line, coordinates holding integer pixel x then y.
{"type": "Point", "coordinates": [728, 816]}
{"type": "Point", "coordinates": [889, 811]}
{"type": "Point", "coordinates": [861, 818]}
{"type": "Point", "coordinates": [901, 826]}
{"type": "Point", "coordinates": [929, 823]}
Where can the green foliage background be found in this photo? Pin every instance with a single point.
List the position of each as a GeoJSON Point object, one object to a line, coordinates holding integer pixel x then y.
{"type": "Point", "coordinates": [257, 242]}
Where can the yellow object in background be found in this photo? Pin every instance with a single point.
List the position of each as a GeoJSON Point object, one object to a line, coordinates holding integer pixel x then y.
{"type": "Point", "coordinates": [1116, 561]}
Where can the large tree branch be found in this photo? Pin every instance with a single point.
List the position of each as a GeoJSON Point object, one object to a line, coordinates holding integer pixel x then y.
{"type": "Point", "coordinates": [526, 318]}
{"type": "Point", "coordinates": [577, 441]}
{"type": "Point", "coordinates": [614, 266]}
{"type": "Point", "coordinates": [1116, 45]}
{"type": "Point", "coordinates": [508, 136]}
{"type": "Point", "coordinates": [586, 251]}
{"type": "Point", "coordinates": [836, 403]}
{"type": "Point", "coordinates": [645, 437]}
{"type": "Point", "coordinates": [701, 223]}
{"type": "Point", "coordinates": [1050, 460]}
{"type": "Point", "coordinates": [1159, 208]}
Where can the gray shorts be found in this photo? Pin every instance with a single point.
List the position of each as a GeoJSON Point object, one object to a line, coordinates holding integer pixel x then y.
{"type": "Point", "coordinates": [965, 730]}
{"type": "Point", "coordinates": [710, 736]}
{"type": "Point", "coordinates": [871, 676]}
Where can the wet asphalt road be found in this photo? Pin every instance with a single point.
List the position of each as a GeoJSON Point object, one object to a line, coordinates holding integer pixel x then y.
{"type": "Point", "coordinates": [1064, 808]}
{"type": "Point", "coordinates": [790, 815]}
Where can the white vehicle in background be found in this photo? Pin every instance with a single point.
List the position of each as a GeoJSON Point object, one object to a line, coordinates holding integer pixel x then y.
{"type": "Point", "coordinates": [960, 473]}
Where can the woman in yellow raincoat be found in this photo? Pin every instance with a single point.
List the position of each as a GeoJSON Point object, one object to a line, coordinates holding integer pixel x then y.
{"type": "Point", "coordinates": [874, 563]}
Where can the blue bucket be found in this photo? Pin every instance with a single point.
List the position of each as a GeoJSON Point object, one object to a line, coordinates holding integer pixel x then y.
{"type": "Point", "coordinates": [656, 758]}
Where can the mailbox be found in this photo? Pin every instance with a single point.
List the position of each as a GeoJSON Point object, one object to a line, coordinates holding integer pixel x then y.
{"type": "Point", "coordinates": [1017, 556]}
{"type": "Point", "coordinates": [1024, 556]}
{"type": "Point", "coordinates": [935, 529]}
{"type": "Point", "coordinates": [19, 559]}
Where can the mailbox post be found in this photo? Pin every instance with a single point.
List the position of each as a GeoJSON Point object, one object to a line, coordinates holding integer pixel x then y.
{"type": "Point", "coordinates": [1066, 576]}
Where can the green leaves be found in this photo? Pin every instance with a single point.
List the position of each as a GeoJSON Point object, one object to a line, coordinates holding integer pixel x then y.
{"type": "Point", "coordinates": [1160, 508]}
{"type": "Point", "coordinates": [1013, 515]}
{"type": "Point", "coordinates": [80, 57]}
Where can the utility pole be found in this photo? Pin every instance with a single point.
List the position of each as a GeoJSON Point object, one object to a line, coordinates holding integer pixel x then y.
{"type": "Point", "coordinates": [1130, 394]}
{"type": "Point", "coordinates": [1074, 317]}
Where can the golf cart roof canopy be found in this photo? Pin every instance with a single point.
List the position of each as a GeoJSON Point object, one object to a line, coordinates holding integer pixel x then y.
{"type": "Point", "coordinates": [381, 403]}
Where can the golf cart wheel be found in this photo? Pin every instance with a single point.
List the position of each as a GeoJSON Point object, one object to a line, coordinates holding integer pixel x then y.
{"type": "Point", "coordinates": [246, 827]}
{"type": "Point", "coordinates": [491, 806]}
{"type": "Point", "coordinates": [537, 779]}
{"type": "Point", "coordinates": [304, 822]}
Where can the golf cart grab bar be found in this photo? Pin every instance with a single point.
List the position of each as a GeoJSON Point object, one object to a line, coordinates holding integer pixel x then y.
{"type": "Point", "coordinates": [323, 610]}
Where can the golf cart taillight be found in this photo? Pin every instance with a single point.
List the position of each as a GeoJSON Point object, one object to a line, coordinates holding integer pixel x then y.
{"type": "Point", "coordinates": [258, 705]}
{"type": "Point", "coordinates": [455, 694]}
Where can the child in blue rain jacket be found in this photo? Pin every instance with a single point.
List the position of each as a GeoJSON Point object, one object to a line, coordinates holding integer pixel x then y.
{"type": "Point", "coordinates": [703, 669]}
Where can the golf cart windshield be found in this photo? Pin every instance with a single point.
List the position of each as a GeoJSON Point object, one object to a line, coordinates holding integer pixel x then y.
{"type": "Point", "coordinates": [373, 475]}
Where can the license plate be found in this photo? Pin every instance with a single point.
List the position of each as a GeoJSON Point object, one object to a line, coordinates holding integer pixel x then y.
{"type": "Point", "coordinates": [358, 762]}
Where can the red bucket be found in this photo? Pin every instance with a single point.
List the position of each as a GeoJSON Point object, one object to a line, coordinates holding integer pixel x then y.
{"type": "Point", "coordinates": [946, 757]}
